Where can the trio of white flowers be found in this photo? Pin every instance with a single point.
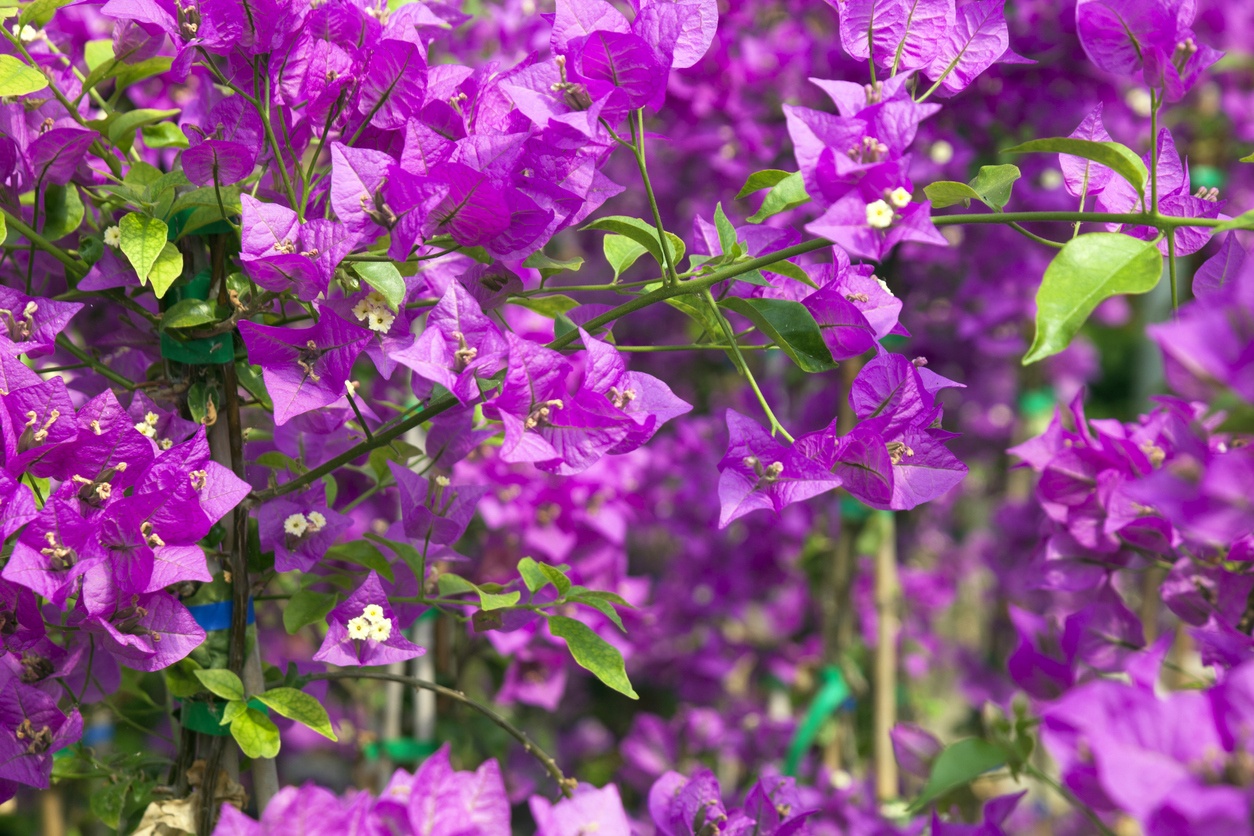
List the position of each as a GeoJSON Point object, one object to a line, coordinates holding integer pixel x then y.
{"type": "Point", "coordinates": [371, 624]}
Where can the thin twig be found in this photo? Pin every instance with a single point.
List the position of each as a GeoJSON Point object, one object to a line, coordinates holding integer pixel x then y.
{"type": "Point", "coordinates": [566, 784]}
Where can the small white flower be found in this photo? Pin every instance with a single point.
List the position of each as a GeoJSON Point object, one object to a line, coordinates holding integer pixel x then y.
{"type": "Point", "coordinates": [879, 215]}
{"type": "Point", "coordinates": [151, 419]}
{"type": "Point", "coordinates": [113, 236]}
{"type": "Point", "coordinates": [381, 630]}
{"type": "Point", "coordinates": [442, 481]}
{"type": "Point", "coordinates": [359, 628]}
{"type": "Point", "coordinates": [941, 152]}
{"type": "Point", "coordinates": [899, 197]}
{"type": "Point", "coordinates": [316, 521]}
{"type": "Point", "coordinates": [884, 285]}
{"type": "Point", "coordinates": [380, 321]}
{"type": "Point", "coordinates": [296, 524]}
{"type": "Point", "coordinates": [146, 429]}
{"type": "Point", "coordinates": [26, 33]}
{"type": "Point", "coordinates": [372, 613]}
{"type": "Point", "coordinates": [165, 444]}
{"type": "Point", "coordinates": [1051, 179]}
{"type": "Point", "coordinates": [1139, 102]}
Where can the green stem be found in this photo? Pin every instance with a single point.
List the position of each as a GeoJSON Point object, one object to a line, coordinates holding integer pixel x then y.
{"type": "Point", "coordinates": [567, 785]}
{"type": "Point", "coordinates": [1155, 103]}
{"type": "Point", "coordinates": [1033, 236]}
{"type": "Point", "coordinates": [264, 111]}
{"type": "Point", "coordinates": [360, 418]}
{"type": "Point", "coordinates": [640, 349]}
{"type": "Point", "coordinates": [1171, 269]}
{"type": "Point", "coordinates": [637, 138]}
{"type": "Point", "coordinates": [1135, 218]}
{"type": "Point", "coordinates": [943, 76]}
{"type": "Point", "coordinates": [63, 342]}
{"type": "Point", "coordinates": [39, 241]}
{"type": "Point", "coordinates": [776, 426]}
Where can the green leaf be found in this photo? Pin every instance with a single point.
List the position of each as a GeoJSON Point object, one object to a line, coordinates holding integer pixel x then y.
{"type": "Point", "coordinates": [547, 306]}
{"type": "Point", "coordinates": [1247, 159]}
{"type": "Point", "coordinates": [143, 239]}
{"type": "Point", "coordinates": [307, 607]}
{"type": "Point", "coordinates": [108, 802]}
{"type": "Point", "coordinates": [17, 79]}
{"type": "Point", "coordinates": [121, 130]}
{"type": "Point", "coordinates": [791, 271]}
{"type": "Point", "coordinates": [189, 313]}
{"type": "Point", "coordinates": [600, 604]}
{"type": "Point", "coordinates": [994, 183]}
{"type": "Point", "coordinates": [788, 193]}
{"type": "Point", "coordinates": [531, 575]}
{"type": "Point", "coordinates": [593, 653]}
{"type": "Point", "coordinates": [301, 707]}
{"type": "Point", "coordinates": [256, 734]}
{"type": "Point", "coordinates": [1243, 221]}
{"type": "Point", "coordinates": [945, 193]}
{"type": "Point", "coordinates": [221, 682]}
{"type": "Point", "coordinates": [1119, 158]}
{"type": "Point", "coordinates": [550, 267]}
{"type": "Point", "coordinates": [124, 74]}
{"type": "Point", "coordinates": [385, 278]}
{"type": "Point", "coordinates": [164, 135]}
{"type": "Point", "coordinates": [180, 679]}
{"type": "Point", "coordinates": [497, 600]}
{"type": "Point", "coordinates": [4, 229]}
{"type": "Point", "coordinates": [1086, 272]}
{"type": "Point", "coordinates": [958, 765]}
{"type": "Point", "coordinates": [451, 584]}
{"type": "Point", "coordinates": [753, 277]}
{"type": "Point", "coordinates": [166, 269]}
{"type": "Point", "coordinates": [556, 577]}
{"type": "Point", "coordinates": [621, 252]}
{"type": "Point", "coordinates": [790, 326]}
{"type": "Point", "coordinates": [37, 14]}
{"type": "Point", "coordinates": [362, 553]}
{"type": "Point", "coordinates": [231, 710]}
{"type": "Point", "coordinates": [63, 211]}
{"type": "Point", "coordinates": [765, 179]}
{"type": "Point", "coordinates": [726, 232]}
{"type": "Point", "coordinates": [643, 233]}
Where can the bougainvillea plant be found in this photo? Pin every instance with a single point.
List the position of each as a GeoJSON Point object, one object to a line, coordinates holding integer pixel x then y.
{"type": "Point", "coordinates": [361, 357]}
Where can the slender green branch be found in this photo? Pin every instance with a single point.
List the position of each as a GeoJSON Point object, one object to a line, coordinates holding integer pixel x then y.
{"type": "Point", "coordinates": [693, 347]}
{"type": "Point", "coordinates": [361, 419]}
{"type": "Point", "coordinates": [637, 138]}
{"type": "Point", "coordinates": [63, 342]}
{"type": "Point", "coordinates": [264, 112]}
{"type": "Point", "coordinates": [692, 286]}
{"type": "Point", "coordinates": [776, 426]}
{"type": "Point", "coordinates": [567, 785]}
{"type": "Point", "coordinates": [1171, 269]}
{"type": "Point", "coordinates": [16, 223]}
{"type": "Point", "coordinates": [1034, 237]}
{"type": "Point", "coordinates": [1155, 104]}
{"type": "Point", "coordinates": [1133, 218]}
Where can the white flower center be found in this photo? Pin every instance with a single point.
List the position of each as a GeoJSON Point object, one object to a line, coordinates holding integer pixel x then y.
{"type": "Point", "coordinates": [899, 197]}
{"type": "Point", "coordinates": [296, 525]}
{"type": "Point", "coordinates": [879, 215]}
